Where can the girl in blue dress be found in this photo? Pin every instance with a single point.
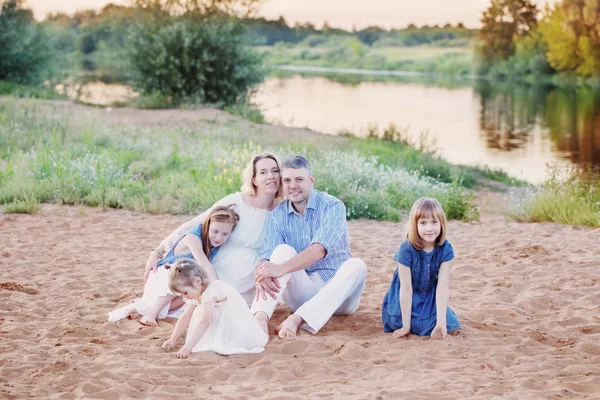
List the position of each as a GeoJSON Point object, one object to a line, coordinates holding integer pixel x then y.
{"type": "Point", "coordinates": [417, 299]}
{"type": "Point", "coordinates": [200, 244]}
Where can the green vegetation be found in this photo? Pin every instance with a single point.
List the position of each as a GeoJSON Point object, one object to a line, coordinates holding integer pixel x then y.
{"type": "Point", "coordinates": [27, 53]}
{"type": "Point", "coordinates": [48, 155]}
{"type": "Point", "coordinates": [214, 66]}
{"type": "Point", "coordinates": [34, 92]}
{"type": "Point", "coordinates": [351, 53]}
{"type": "Point", "coordinates": [572, 198]}
{"type": "Point", "coordinates": [518, 41]}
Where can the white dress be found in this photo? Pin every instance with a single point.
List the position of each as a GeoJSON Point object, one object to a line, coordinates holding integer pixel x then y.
{"type": "Point", "coordinates": [237, 258]}
{"type": "Point", "coordinates": [233, 329]}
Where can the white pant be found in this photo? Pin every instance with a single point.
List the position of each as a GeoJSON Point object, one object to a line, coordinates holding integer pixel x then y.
{"type": "Point", "coordinates": [312, 299]}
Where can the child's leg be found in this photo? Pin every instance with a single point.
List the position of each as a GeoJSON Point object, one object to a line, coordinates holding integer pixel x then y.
{"type": "Point", "coordinates": [176, 303]}
{"type": "Point", "coordinates": [160, 302]}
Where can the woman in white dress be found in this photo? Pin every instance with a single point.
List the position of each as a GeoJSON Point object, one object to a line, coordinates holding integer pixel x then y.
{"type": "Point", "coordinates": [216, 318]}
{"type": "Point", "coordinates": [237, 258]}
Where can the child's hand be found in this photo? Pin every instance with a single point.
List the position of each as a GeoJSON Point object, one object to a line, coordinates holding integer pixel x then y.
{"type": "Point", "coordinates": [169, 345]}
{"type": "Point", "coordinates": [398, 333]}
{"type": "Point", "coordinates": [439, 332]}
{"type": "Point", "coordinates": [184, 352]}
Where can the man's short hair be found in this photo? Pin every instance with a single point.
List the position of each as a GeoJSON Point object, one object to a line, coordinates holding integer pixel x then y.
{"type": "Point", "coordinates": [297, 162]}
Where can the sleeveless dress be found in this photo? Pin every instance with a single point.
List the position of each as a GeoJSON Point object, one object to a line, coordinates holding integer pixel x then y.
{"type": "Point", "coordinates": [233, 329]}
{"type": "Point", "coordinates": [157, 284]}
{"type": "Point", "coordinates": [237, 258]}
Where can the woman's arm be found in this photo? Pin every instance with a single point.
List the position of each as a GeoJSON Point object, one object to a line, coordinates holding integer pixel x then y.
{"type": "Point", "coordinates": [442, 296]}
{"type": "Point", "coordinates": [206, 310]}
{"type": "Point", "coordinates": [182, 324]}
{"type": "Point", "coordinates": [405, 299]}
{"type": "Point", "coordinates": [194, 245]}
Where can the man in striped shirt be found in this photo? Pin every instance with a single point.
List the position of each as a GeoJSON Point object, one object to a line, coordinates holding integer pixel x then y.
{"type": "Point", "coordinates": [306, 257]}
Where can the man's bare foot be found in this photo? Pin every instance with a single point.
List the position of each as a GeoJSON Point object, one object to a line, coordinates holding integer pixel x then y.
{"type": "Point", "coordinates": [148, 321]}
{"type": "Point", "coordinates": [289, 327]}
{"type": "Point", "coordinates": [454, 333]}
{"type": "Point", "coordinates": [263, 321]}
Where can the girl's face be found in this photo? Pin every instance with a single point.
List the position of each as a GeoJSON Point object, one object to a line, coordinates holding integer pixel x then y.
{"type": "Point", "coordinates": [193, 291]}
{"type": "Point", "coordinates": [267, 178]}
{"type": "Point", "coordinates": [218, 233]}
{"type": "Point", "coordinates": [429, 229]}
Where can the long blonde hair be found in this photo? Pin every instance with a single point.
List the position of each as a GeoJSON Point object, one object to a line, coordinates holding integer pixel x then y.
{"type": "Point", "coordinates": [182, 273]}
{"type": "Point", "coordinates": [248, 187]}
{"type": "Point", "coordinates": [425, 207]}
{"type": "Point", "coordinates": [218, 214]}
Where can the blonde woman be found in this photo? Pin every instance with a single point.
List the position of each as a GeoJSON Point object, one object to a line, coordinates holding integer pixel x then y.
{"type": "Point", "coordinates": [237, 259]}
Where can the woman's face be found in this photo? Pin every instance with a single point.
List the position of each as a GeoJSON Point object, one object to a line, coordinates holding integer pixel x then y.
{"type": "Point", "coordinates": [267, 178]}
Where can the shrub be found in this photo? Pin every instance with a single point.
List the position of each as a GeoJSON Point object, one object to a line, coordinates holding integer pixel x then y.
{"type": "Point", "coordinates": [193, 57]}
{"type": "Point", "coordinates": [26, 48]}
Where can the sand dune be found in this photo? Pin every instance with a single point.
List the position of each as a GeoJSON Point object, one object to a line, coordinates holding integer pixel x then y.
{"type": "Point", "coordinates": [527, 296]}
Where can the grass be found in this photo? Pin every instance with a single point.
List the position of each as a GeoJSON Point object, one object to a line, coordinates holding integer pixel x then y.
{"type": "Point", "coordinates": [18, 90]}
{"type": "Point", "coordinates": [571, 197]}
{"type": "Point", "coordinates": [51, 155]}
{"type": "Point", "coordinates": [349, 54]}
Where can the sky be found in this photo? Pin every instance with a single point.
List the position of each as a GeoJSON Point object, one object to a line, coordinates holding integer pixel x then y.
{"type": "Point", "coordinates": [338, 13]}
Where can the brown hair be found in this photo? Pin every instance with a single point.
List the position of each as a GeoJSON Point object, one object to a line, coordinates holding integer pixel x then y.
{"type": "Point", "coordinates": [248, 187]}
{"type": "Point", "coordinates": [182, 273]}
{"type": "Point", "coordinates": [425, 207]}
{"type": "Point", "coordinates": [218, 214]}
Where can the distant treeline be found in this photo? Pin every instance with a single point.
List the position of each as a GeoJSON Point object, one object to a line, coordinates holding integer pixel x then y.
{"type": "Point", "coordinates": [87, 31]}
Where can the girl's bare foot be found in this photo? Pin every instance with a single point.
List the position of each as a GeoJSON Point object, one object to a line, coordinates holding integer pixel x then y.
{"type": "Point", "coordinates": [134, 315]}
{"type": "Point", "coordinates": [289, 327]}
{"type": "Point", "coordinates": [148, 321]}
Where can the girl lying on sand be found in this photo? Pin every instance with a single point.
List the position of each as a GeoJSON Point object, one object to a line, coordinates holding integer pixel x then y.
{"type": "Point", "coordinates": [200, 244]}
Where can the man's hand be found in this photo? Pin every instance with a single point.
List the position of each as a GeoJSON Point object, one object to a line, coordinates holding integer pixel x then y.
{"type": "Point", "coordinates": [401, 332]}
{"type": "Point", "coordinates": [267, 269]}
{"type": "Point", "coordinates": [268, 286]}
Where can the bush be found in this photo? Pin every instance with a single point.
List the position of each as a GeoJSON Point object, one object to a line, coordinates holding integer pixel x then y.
{"type": "Point", "coordinates": [26, 48]}
{"type": "Point", "coordinates": [193, 57]}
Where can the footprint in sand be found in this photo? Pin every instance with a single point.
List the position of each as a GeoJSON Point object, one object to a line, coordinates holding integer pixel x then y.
{"type": "Point", "coordinates": [16, 287]}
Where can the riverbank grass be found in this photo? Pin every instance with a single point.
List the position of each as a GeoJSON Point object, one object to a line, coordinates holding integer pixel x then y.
{"type": "Point", "coordinates": [571, 197]}
{"type": "Point", "coordinates": [52, 155]}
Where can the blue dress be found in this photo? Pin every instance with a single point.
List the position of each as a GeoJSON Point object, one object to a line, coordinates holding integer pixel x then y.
{"type": "Point", "coordinates": [170, 258]}
{"type": "Point", "coordinates": [424, 268]}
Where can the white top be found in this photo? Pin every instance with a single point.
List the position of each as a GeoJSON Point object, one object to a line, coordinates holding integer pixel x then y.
{"type": "Point", "coordinates": [236, 260]}
{"type": "Point", "coordinates": [233, 329]}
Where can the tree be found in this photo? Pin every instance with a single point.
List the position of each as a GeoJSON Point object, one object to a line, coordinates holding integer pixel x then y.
{"type": "Point", "coordinates": [502, 21]}
{"type": "Point", "coordinates": [571, 32]}
{"type": "Point", "coordinates": [27, 51]}
{"type": "Point", "coordinates": [238, 8]}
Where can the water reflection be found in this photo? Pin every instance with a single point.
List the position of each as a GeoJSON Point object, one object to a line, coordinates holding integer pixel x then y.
{"type": "Point", "coordinates": [517, 128]}
{"type": "Point", "coordinates": [571, 118]}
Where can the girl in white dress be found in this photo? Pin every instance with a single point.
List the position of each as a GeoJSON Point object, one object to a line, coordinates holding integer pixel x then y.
{"type": "Point", "coordinates": [217, 318]}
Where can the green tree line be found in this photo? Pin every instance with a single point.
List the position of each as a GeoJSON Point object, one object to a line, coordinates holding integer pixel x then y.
{"type": "Point", "coordinates": [517, 38]}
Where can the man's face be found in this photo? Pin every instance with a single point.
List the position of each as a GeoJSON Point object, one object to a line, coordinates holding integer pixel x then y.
{"type": "Point", "coordinates": [297, 184]}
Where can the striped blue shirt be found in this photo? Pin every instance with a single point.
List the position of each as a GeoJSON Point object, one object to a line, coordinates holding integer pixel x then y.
{"type": "Point", "coordinates": [323, 222]}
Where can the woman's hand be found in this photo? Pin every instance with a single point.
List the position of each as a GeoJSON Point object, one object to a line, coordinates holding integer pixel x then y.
{"type": "Point", "coordinates": [169, 345]}
{"type": "Point", "coordinates": [150, 266]}
{"type": "Point", "coordinates": [398, 333]}
{"type": "Point", "coordinates": [439, 332]}
{"type": "Point", "coordinates": [184, 352]}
